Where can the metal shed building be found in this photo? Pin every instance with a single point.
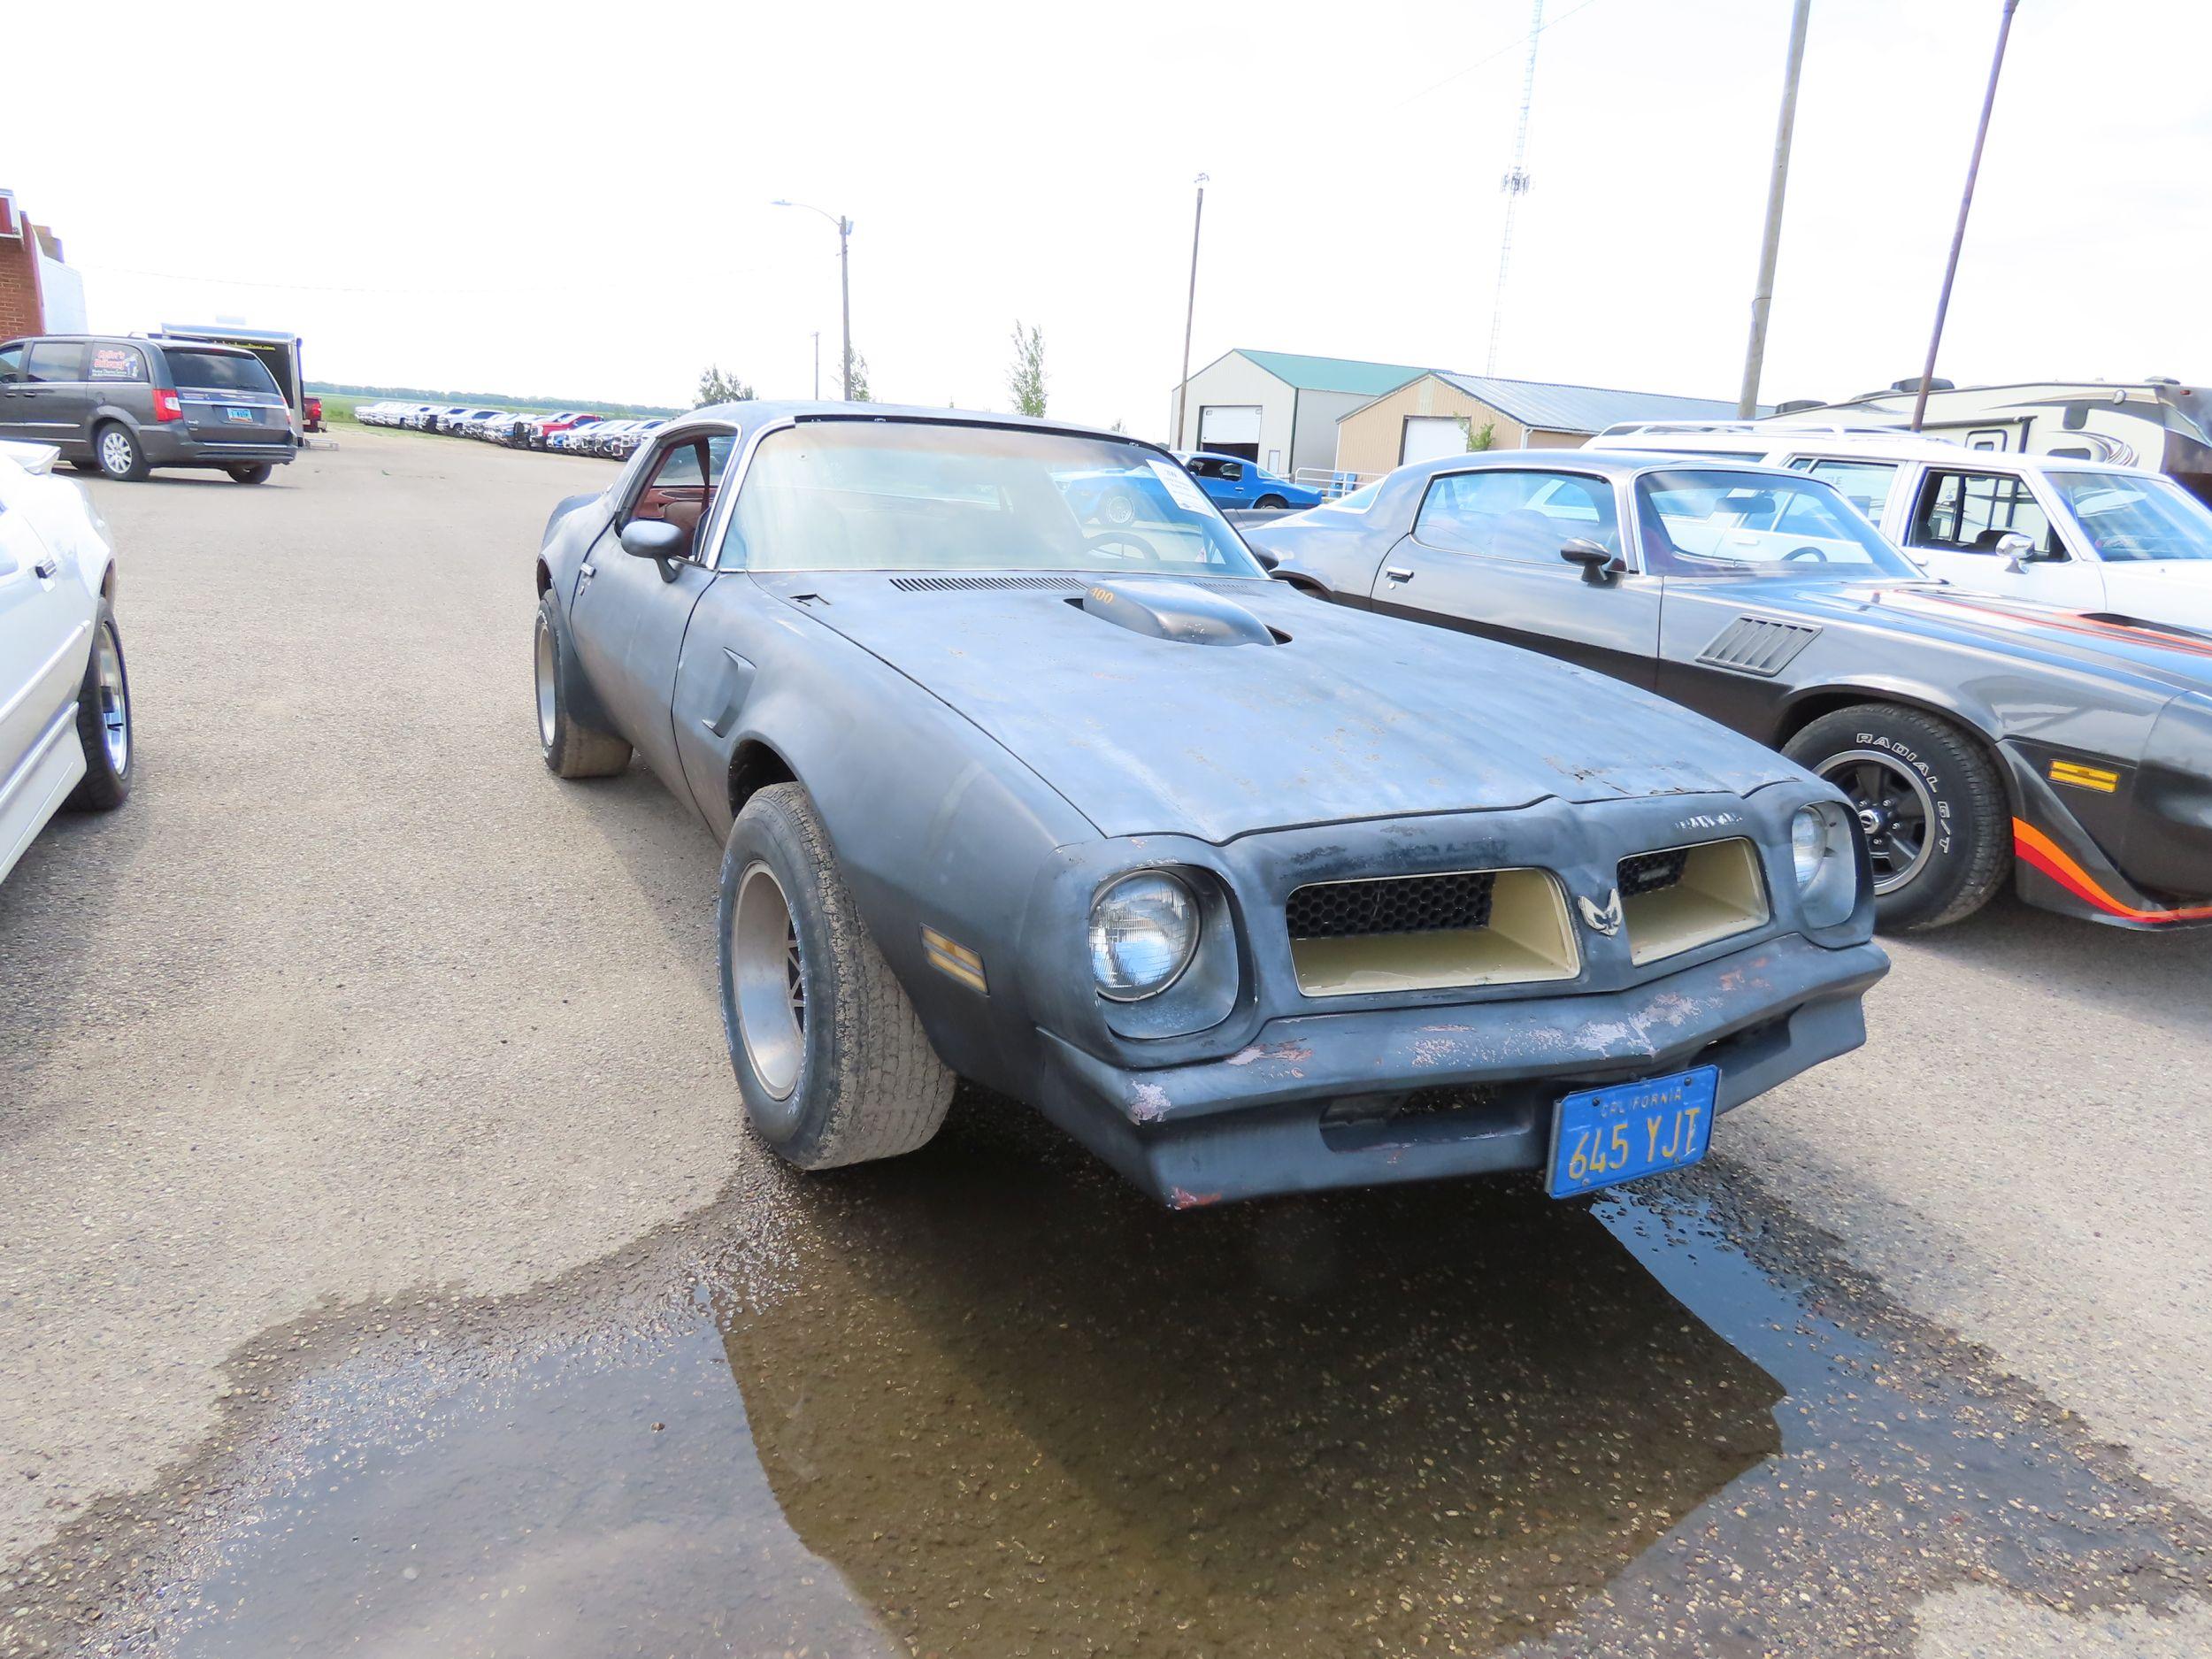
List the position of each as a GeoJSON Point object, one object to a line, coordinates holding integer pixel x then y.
{"type": "Point", "coordinates": [1433, 410]}
{"type": "Point", "coordinates": [1277, 408]}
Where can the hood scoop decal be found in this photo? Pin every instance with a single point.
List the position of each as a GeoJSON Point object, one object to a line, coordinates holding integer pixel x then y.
{"type": "Point", "coordinates": [1176, 611]}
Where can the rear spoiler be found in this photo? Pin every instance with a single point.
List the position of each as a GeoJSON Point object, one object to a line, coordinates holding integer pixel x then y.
{"type": "Point", "coordinates": [36, 459]}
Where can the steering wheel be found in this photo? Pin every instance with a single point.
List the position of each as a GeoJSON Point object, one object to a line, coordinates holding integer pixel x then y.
{"type": "Point", "coordinates": [1107, 540]}
{"type": "Point", "coordinates": [1805, 553]}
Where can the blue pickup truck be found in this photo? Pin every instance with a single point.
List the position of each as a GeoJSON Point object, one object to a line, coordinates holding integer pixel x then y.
{"type": "Point", "coordinates": [1230, 481]}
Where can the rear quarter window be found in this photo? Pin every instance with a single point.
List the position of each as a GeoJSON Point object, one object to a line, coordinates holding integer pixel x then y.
{"type": "Point", "coordinates": [116, 362]}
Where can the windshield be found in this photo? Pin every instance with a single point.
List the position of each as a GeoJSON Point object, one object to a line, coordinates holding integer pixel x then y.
{"type": "Point", "coordinates": [851, 495]}
{"type": "Point", "coordinates": [2131, 517]}
{"type": "Point", "coordinates": [1713, 523]}
{"type": "Point", "coordinates": [219, 371]}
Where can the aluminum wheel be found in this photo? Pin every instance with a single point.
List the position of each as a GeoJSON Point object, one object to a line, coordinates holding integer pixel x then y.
{"type": "Point", "coordinates": [768, 980]}
{"type": "Point", "coordinates": [1894, 809]}
{"type": "Point", "coordinates": [115, 702]}
{"type": "Point", "coordinates": [118, 455]}
{"type": "Point", "coordinates": [543, 654]}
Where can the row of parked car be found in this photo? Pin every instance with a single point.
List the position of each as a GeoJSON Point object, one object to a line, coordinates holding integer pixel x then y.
{"type": "Point", "coordinates": [570, 431]}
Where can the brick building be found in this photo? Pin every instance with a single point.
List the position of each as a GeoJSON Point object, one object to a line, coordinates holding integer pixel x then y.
{"type": "Point", "coordinates": [39, 292]}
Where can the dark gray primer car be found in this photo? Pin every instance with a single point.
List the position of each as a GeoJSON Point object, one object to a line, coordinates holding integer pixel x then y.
{"type": "Point", "coordinates": [126, 403]}
{"type": "Point", "coordinates": [1248, 895]}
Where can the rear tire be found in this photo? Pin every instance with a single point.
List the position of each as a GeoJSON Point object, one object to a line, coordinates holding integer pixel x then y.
{"type": "Point", "coordinates": [831, 1059]}
{"type": "Point", "coordinates": [1902, 767]}
{"type": "Point", "coordinates": [118, 453]}
{"type": "Point", "coordinates": [572, 749]}
{"type": "Point", "coordinates": [1267, 503]}
{"type": "Point", "coordinates": [104, 721]}
{"type": "Point", "coordinates": [258, 473]}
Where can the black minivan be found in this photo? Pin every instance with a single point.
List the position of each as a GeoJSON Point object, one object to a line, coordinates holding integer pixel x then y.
{"type": "Point", "coordinates": [126, 405]}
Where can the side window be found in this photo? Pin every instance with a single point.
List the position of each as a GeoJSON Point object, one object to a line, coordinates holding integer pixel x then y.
{"type": "Point", "coordinates": [55, 360]}
{"type": "Point", "coordinates": [12, 361]}
{"type": "Point", "coordinates": [679, 479]}
{"type": "Point", "coordinates": [1232, 471]}
{"type": "Point", "coordinates": [1526, 517]}
{"type": "Point", "coordinates": [1865, 484]}
{"type": "Point", "coordinates": [116, 362]}
{"type": "Point", "coordinates": [1970, 512]}
{"type": "Point", "coordinates": [1201, 467]}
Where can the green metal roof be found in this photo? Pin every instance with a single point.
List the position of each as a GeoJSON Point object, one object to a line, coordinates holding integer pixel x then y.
{"type": "Point", "coordinates": [1334, 374]}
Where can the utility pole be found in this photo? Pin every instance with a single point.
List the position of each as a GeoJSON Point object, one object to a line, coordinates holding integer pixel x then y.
{"type": "Point", "coordinates": [1966, 203]}
{"type": "Point", "coordinates": [1515, 186]}
{"type": "Point", "coordinates": [844, 287]}
{"type": "Point", "coordinates": [1770, 245]}
{"type": "Point", "coordinates": [1190, 310]}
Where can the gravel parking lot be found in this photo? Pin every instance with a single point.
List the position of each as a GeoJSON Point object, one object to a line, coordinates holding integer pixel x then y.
{"type": "Point", "coordinates": [380, 1248]}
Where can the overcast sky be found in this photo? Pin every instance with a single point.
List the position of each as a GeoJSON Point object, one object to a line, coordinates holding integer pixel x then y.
{"type": "Point", "coordinates": [573, 200]}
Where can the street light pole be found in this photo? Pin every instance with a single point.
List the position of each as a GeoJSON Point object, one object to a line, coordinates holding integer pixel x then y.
{"type": "Point", "coordinates": [1770, 246]}
{"type": "Point", "coordinates": [1190, 310]}
{"type": "Point", "coordinates": [1958, 235]}
{"type": "Point", "coordinates": [844, 288]}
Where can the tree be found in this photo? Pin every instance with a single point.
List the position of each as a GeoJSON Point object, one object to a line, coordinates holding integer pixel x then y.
{"type": "Point", "coordinates": [860, 393]}
{"type": "Point", "coordinates": [718, 388]}
{"type": "Point", "coordinates": [1026, 379]}
{"type": "Point", "coordinates": [1478, 439]}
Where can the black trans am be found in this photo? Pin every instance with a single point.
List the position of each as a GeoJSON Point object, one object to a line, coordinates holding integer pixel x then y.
{"type": "Point", "coordinates": [1976, 737]}
{"type": "Point", "coordinates": [1248, 894]}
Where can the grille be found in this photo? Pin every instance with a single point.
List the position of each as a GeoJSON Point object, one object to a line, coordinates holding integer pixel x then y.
{"type": "Point", "coordinates": [1649, 872]}
{"type": "Point", "coordinates": [1412, 904]}
{"type": "Point", "coordinates": [945, 584]}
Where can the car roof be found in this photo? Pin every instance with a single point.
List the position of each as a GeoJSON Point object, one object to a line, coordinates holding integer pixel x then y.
{"type": "Point", "coordinates": [1831, 442]}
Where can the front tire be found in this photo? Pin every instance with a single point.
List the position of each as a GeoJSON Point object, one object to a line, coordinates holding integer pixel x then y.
{"type": "Point", "coordinates": [1928, 799]}
{"type": "Point", "coordinates": [572, 749]}
{"type": "Point", "coordinates": [104, 721]}
{"type": "Point", "coordinates": [118, 454]}
{"type": "Point", "coordinates": [255, 474]}
{"type": "Point", "coordinates": [831, 1059]}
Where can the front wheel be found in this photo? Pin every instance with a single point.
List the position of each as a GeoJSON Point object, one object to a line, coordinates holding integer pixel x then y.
{"type": "Point", "coordinates": [831, 1059]}
{"type": "Point", "coordinates": [255, 474]}
{"type": "Point", "coordinates": [1928, 798]}
{"type": "Point", "coordinates": [104, 721]}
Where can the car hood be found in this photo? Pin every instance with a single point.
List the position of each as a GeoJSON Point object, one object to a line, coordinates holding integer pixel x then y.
{"type": "Point", "coordinates": [2160, 590]}
{"type": "Point", "coordinates": [1355, 716]}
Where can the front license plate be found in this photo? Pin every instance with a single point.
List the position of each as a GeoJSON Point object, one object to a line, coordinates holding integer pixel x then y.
{"type": "Point", "coordinates": [242, 417]}
{"type": "Point", "coordinates": [1604, 1136]}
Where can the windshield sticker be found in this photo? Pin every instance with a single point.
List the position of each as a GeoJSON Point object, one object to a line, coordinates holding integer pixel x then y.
{"type": "Point", "coordinates": [1180, 489]}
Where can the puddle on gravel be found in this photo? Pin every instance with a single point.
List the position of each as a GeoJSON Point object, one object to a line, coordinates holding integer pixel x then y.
{"type": "Point", "coordinates": [998, 1406]}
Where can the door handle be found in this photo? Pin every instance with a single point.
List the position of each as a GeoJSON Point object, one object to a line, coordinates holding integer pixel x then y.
{"type": "Point", "coordinates": [1397, 574]}
{"type": "Point", "coordinates": [588, 569]}
{"type": "Point", "coordinates": [47, 566]}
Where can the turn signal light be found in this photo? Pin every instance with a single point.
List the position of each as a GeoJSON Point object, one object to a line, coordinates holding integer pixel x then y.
{"type": "Point", "coordinates": [165, 405]}
{"type": "Point", "coordinates": [2097, 778]}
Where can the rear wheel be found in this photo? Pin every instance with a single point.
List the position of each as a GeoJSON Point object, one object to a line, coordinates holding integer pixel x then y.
{"type": "Point", "coordinates": [104, 721]}
{"type": "Point", "coordinates": [118, 453]}
{"type": "Point", "coordinates": [831, 1059]}
{"type": "Point", "coordinates": [571, 748]}
{"type": "Point", "coordinates": [255, 474]}
{"type": "Point", "coordinates": [1928, 798]}
{"type": "Point", "coordinates": [1266, 502]}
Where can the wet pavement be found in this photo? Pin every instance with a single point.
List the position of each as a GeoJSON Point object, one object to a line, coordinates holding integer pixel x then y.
{"type": "Point", "coordinates": [984, 1401]}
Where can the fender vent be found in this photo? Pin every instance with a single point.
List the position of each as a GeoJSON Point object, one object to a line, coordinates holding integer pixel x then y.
{"type": "Point", "coordinates": [1754, 645]}
{"type": "Point", "coordinates": [949, 584]}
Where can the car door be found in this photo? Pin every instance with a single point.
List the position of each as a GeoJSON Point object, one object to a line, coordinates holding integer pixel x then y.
{"type": "Point", "coordinates": [1232, 486]}
{"type": "Point", "coordinates": [12, 403]}
{"type": "Point", "coordinates": [1484, 555]}
{"type": "Point", "coordinates": [629, 614]}
{"type": "Point", "coordinates": [1960, 513]}
{"type": "Point", "coordinates": [43, 628]}
{"type": "Point", "coordinates": [55, 398]}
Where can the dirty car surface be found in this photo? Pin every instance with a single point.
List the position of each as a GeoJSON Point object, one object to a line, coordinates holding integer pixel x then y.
{"type": "Point", "coordinates": [1246, 893]}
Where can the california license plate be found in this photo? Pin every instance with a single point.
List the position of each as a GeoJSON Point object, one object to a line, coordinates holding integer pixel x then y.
{"type": "Point", "coordinates": [1604, 1136]}
{"type": "Point", "coordinates": [242, 417]}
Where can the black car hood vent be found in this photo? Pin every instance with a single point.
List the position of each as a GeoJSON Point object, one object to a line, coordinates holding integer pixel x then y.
{"type": "Point", "coordinates": [952, 584]}
{"type": "Point", "coordinates": [1178, 610]}
{"type": "Point", "coordinates": [1756, 645]}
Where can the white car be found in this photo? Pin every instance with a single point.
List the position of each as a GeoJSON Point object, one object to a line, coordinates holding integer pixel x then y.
{"type": "Point", "coordinates": [65, 699]}
{"type": "Point", "coordinates": [2058, 530]}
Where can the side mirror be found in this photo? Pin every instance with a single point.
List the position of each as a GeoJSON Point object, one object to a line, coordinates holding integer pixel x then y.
{"type": "Point", "coordinates": [2016, 551]}
{"type": "Point", "coordinates": [656, 539]}
{"type": "Point", "coordinates": [1599, 566]}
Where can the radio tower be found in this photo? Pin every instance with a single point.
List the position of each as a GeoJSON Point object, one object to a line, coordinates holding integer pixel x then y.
{"type": "Point", "coordinates": [1515, 184]}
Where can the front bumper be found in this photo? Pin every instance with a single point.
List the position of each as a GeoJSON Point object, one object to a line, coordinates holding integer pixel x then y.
{"type": "Point", "coordinates": [1401, 1094]}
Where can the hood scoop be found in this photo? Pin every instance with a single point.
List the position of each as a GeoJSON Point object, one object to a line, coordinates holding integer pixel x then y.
{"type": "Point", "coordinates": [1174, 610]}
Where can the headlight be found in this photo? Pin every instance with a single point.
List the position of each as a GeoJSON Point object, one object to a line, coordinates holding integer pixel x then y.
{"type": "Point", "coordinates": [1808, 845]}
{"type": "Point", "coordinates": [1144, 929]}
